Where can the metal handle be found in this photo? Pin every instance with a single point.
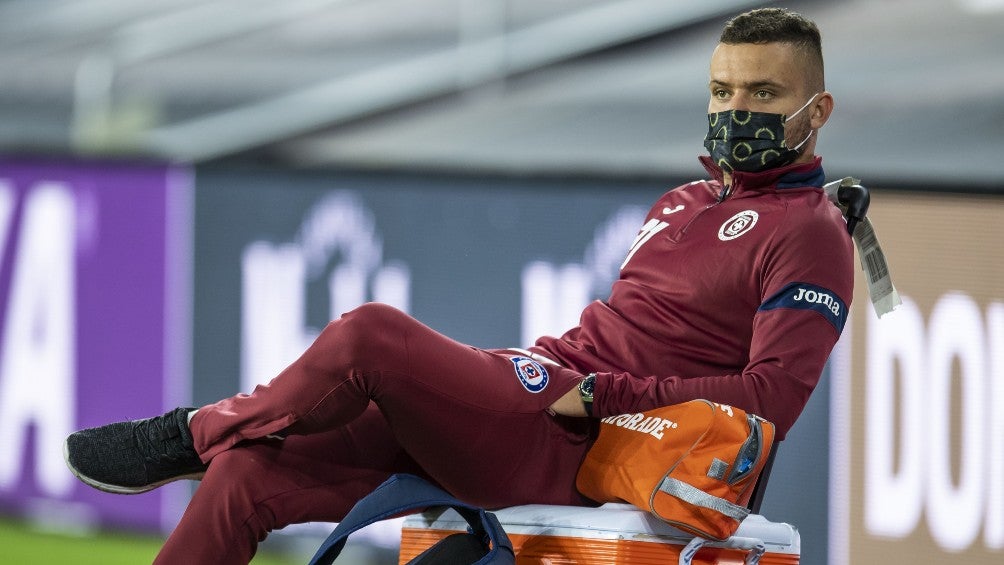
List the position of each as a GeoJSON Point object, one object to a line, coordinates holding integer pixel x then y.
{"type": "Point", "coordinates": [755, 547]}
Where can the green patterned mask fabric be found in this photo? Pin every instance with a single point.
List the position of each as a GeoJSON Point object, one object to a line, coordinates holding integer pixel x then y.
{"type": "Point", "coordinates": [741, 140]}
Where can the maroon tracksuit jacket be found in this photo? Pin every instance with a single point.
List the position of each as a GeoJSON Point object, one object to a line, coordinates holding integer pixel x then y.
{"type": "Point", "coordinates": [737, 299]}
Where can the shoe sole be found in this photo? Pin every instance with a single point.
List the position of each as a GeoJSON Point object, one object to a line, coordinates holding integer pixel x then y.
{"type": "Point", "coordinates": [119, 489]}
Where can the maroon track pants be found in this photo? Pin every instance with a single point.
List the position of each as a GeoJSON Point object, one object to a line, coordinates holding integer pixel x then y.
{"type": "Point", "coordinates": [377, 393]}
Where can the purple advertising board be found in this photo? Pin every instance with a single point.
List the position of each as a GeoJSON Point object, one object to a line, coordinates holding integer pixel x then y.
{"type": "Point", "coordinates": [94, 325]}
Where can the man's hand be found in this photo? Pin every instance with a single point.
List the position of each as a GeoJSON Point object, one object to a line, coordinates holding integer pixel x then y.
{"type": "Point", "coordinates": [570, 404]}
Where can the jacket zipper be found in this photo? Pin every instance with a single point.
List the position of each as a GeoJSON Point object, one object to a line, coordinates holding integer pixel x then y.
{"type": "Point", "coordinates": [726, 190]}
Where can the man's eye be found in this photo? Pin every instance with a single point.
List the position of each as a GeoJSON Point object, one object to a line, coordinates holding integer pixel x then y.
{"type": "Point", "coordinates": [720, 94]}
{"type": "Point", "coordinates": [762, 94]}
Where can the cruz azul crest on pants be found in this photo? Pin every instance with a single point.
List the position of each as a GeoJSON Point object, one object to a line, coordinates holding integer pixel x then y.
{"type": "Point", "coordinates": [532, 374]}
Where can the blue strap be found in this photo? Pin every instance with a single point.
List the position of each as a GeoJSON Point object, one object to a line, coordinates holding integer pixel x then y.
{"type": "Point", "coordinates": [403, 493]}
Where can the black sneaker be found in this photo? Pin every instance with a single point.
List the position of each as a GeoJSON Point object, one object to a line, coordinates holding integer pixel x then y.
{"type": "Point", "coordinates": [137, 456]}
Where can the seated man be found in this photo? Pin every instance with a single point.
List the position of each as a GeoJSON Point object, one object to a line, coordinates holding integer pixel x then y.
{"type": "Point", "coordinates": [735, 290]}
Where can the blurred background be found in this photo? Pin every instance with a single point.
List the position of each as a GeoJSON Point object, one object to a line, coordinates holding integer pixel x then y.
{"type": "Point", "coordinates": [189, 190]}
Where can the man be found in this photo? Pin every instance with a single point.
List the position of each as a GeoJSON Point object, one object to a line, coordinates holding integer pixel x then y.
{"type": "Point", "coordinates": [735, 290]}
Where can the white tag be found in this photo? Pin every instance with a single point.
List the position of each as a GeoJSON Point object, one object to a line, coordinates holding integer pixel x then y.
{"type": "Point", "coordinates": [881, 290]}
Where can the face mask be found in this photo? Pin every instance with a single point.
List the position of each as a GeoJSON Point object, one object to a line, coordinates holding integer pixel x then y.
{"type": "Point", "coordinates": [740, 140]}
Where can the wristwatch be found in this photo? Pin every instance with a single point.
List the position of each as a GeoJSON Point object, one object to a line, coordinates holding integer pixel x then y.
{"type": "Point", "coordinates": [586, 387]}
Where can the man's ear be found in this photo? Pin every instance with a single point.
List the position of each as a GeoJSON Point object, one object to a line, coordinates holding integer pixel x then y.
{"type": "Point", "coordinates": [821, 110]}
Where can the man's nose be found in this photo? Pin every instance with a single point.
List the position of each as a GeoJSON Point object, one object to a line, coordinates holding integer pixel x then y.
{"type": "Point", "coordinates": [738, 101]}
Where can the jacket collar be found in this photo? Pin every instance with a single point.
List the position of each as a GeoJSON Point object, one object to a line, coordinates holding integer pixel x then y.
{"type": "Point", "coordinates": [799, 175]}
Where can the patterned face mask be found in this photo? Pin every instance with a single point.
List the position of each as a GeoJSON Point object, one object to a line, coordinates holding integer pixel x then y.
{"type": "Point", "coordinates": [740, 140]}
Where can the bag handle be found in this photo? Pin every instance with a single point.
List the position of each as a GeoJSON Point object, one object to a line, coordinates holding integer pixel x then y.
{"type": "Point", "coordinates": [755, 547]}
{"type": "Point", "coordinates": [403, 493]}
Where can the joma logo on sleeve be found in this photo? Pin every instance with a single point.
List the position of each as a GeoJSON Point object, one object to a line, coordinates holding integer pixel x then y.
{"type": "Point", "coordinates": [804, 296]}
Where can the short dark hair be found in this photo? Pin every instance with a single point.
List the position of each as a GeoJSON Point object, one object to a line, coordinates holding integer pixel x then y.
{"type": "Point", "coordinates": [777, 25]}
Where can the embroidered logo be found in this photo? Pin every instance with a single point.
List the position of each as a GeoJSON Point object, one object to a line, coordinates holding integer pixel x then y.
{"type": "Point", "coordinates": [738, 225]}
{"type": "Point", "coordinates": [532, 374]}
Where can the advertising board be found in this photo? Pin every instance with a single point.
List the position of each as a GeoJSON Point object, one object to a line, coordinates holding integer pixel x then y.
{"type": "Point", "coordinates": [917, 454]}
{"type": "Point", "coordinates": [94, 294]}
